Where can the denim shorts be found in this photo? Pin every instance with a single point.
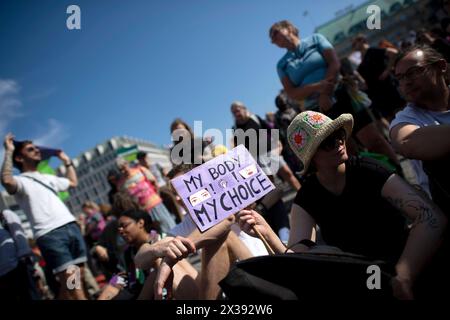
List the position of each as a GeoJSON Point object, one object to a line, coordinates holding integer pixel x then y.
{"type": "Point", "coordinates": [63, 247]}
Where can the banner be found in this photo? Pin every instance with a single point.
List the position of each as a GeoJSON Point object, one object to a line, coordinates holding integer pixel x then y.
{"type": "Point", "coordinates": [128, 153]}
{"type": "Point", "coordinates": [221, 187]}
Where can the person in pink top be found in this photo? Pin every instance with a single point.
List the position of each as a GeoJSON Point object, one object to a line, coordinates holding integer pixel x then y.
{"type": "Point", "coordinates": [139, 183]}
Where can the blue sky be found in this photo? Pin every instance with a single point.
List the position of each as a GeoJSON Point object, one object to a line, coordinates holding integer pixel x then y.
{"type": "Point", "coordinates": [135, 65]}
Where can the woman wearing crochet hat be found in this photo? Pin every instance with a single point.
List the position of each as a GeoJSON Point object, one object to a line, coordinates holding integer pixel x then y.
{"type": "Point", "coordinates": [360, 206]}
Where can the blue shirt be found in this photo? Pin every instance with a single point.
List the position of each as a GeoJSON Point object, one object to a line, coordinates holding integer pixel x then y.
{"type": "Point", "coordinates": [305, 65]}
{"type": "Point", "coordinates": [420, 117]}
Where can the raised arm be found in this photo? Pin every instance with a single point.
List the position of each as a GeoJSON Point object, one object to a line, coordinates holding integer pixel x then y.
{"type": "Point", "coordinates": [70, 169]}
{"type": "Point", "coordinates": [426, 143]}
{"type": "Point", "coordinates": [424, 238]}
{"type": "Point", "coordinates": [8, 180]}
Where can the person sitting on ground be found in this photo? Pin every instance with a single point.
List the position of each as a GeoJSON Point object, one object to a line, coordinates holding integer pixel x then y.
{"type": "Point", "coordinates": [137, 228]}
{"type": "Point", "coordinates": [94, 224]}
{"type": "Point", "coordinates": [356, 202]}
{"type": "Point", "coordinates": [421, 131]}
{"type": "Point", "coordinates": [221, 246]}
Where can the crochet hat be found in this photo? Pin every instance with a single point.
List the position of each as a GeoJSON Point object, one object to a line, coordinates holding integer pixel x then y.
{"type": "Point", "coordinates": [308, 129]}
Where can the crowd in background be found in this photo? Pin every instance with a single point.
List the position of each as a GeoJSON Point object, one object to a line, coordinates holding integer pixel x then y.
{"type": "Point", "coordinates": [383, 111]}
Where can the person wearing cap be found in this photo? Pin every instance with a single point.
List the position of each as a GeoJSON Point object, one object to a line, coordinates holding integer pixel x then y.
{"type": "Point", "coordinates": [54, 227]}
{"type": "Point", "coordinates": [359, 206]}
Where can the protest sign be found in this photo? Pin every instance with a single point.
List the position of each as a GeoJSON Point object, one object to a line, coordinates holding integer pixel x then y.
{"type": "Point", "coordinates": [222, 187]}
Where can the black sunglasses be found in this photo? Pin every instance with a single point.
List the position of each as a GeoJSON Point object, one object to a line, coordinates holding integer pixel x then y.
{"type": "Point", "coordinates": [31, 148]}
{"type": "Point", "coordinates": [337, 138]}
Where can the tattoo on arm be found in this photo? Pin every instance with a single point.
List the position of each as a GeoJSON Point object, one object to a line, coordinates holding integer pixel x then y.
{"type": "Point", "coordinates": [7, 173]}
{"type": "Point", "coordinates": [7, 167]}
{"type": "Point", "coordinates": [422, 208]}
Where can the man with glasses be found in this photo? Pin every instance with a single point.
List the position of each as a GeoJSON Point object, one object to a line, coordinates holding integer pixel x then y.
{"type": "Point", "coordinates": [421, 132]}
{"type": "Point", "coordinates": [55, 230]}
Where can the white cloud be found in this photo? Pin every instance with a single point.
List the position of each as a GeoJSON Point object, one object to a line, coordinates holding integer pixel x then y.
{"type": "Point", "coordinates": [10, 103]}
{"type": "Point", "coordinates": [42, 94]}
{"type": "Point", "coordinates": [55, 134]}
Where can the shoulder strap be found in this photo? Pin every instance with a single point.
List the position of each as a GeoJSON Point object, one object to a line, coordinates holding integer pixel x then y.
{"type": "Point", "coordinates": [42, 184]}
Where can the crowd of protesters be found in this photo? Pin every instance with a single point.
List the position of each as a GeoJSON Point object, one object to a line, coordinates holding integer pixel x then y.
{"type": "Point", "coordinates": [345, 126]}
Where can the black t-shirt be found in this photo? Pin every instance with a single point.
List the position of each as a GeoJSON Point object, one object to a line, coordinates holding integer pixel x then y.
{"type": "Point", "coordinates": [380, 91]}
{"type": "Point", "coordinates": [359, 220]}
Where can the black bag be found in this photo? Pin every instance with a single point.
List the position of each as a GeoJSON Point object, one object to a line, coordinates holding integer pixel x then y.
{"type": "Point", "coordinates": [305, 276]}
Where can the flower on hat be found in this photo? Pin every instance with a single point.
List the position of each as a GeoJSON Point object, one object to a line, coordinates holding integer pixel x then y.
{"type": "Point", "coordinates": [299, 138]}
{"type": "Point", "coordinates": [315, 119]}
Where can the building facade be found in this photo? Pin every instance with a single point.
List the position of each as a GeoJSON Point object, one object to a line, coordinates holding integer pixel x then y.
{"type": "Point", "coordinates": [398, 19]}
{"type": "Point", "coordinates": [93, 165]}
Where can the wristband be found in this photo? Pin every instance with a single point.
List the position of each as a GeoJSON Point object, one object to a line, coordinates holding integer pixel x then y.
{"type": "Point", "coordinates": [70, 164]}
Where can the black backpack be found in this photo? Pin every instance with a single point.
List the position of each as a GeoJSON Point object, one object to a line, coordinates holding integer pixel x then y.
{"type": "Point", "coordinates": [305, 276]}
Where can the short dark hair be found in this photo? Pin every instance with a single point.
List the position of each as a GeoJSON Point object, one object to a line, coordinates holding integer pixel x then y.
{"type": "Point", "coordinates": [18, 147]}
{"type": "Point", "coordinates": [359, 37]}
{"type": "Point", "coordinates": [283, 24]}
{"type": "Point", "coordinates": [179, 121]}
{"type": "Point", "coordinates": [137, 215]}
{"type": "Point", "coordinates": [280, 102]}
{"type": "Point", "coordinates": [430, 55]}
{"type": "Point", "coordinates": [181, 168]}
{"type": "Point", "coordinates": [123, 201]}
{"type": "Point", "coordinates": [141, 155]}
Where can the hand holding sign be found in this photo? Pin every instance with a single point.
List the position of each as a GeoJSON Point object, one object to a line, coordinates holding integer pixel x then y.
{"type": "Point", "coordinates": [254, 224]}
{"type": "Point", "coordinates": [221, 187]}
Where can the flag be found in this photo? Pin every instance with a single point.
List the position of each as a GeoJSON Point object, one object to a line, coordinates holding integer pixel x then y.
{"type": "Point", "coordinates": [44, 167]}
{"type": "Point", "coordinates": [128, 153]}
